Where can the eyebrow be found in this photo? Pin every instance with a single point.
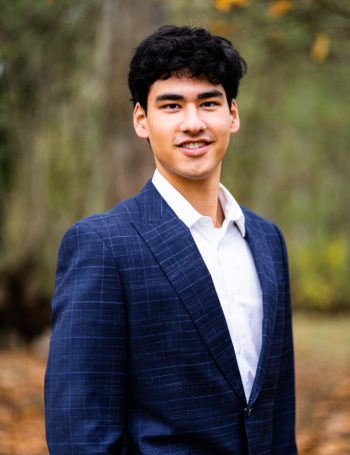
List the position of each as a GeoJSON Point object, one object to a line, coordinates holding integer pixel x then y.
{"type": "Point", "coordinates": [201, 96]}
{"type": "Point", "coordinates": [210, 94]}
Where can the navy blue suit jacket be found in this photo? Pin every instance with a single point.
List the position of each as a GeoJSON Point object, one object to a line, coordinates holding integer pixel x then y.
{"type": "Point", "coordinates": [141, 360]}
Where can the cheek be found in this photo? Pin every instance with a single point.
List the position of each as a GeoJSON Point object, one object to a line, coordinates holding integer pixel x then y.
{"type": "Point", "coordinates": [160, 142]}
{"type": "Point", "coordinates": [224, 132]}
{"type": "Point", "coordinates": [222, 126]}
{"type": "Point", "coordinates": [161, 133]}
{"type": "Point", "coordinates": [158, 129]}
{"type": "Point", "coordinates": [157, 138]}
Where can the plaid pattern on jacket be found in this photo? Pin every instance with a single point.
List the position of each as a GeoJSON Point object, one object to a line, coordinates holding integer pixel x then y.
{"type": "Point", "coordinates": [141, 360]}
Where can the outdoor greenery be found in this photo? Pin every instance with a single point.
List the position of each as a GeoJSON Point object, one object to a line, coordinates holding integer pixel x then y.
{"type": "Point", "coordinates": [67, 148]}
{"type": "Point", "coordinates": [290, 160]}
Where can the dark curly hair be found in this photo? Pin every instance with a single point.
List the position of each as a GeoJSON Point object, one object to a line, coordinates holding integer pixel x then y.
{"type": "Point", "coordinates": [184, 51]}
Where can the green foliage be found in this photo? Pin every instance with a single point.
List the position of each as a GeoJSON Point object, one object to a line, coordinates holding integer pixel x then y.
{"type": "Point", "coordinates": [290, 160]}
{"type": "Point", "coordinates": [48, 128]}
{"type": "Point", "coordinates": [321, 274]}
{"type": "Point", "coordinates": [5, 159]}
{"type": "Point", "coordinates": [44, 49]}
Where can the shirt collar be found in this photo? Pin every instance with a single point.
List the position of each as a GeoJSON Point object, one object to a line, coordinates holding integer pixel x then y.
{"type": "Point", "coordinates": [187, 213]}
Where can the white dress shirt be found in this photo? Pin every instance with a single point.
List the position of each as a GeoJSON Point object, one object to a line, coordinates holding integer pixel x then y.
{"type": "Point", "coordinates": [229, 261]}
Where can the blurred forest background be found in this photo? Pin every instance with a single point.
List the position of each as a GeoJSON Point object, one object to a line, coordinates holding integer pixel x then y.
{"type": "Point", "coordinates": [67, 149]}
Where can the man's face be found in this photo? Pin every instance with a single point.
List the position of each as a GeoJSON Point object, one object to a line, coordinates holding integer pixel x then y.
{"type": "Point", "coordinates": [188, 124]}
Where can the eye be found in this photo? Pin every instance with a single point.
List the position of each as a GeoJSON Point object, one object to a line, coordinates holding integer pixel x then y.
{"type": "Point", "coordinates": [210, 104]}
{"type": "Point", "coordinates": [170, 106]}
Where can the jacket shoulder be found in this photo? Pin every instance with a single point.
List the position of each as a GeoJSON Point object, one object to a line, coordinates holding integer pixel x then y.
{"type": "Point", "coordinates": [122, 214]}
{"type": "Point", "coordinates": [257, 220]}
{"type": "Point", "coordinates": [263, 226]}
{"type": "Point", "coordinates": [109, 225]}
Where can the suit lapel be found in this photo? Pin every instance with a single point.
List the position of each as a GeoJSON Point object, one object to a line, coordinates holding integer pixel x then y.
{"type": "Point", "coordinates": [261, 252]}
{"type": "Point", "coordinates": [175, 250]}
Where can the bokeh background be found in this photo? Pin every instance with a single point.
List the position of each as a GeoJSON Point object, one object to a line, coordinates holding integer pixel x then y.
{"type": "Point", "coordinates": [67, 149]}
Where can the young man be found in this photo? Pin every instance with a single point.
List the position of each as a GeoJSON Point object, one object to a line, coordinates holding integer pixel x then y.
{"type": "Point", "coordinates": [171, 315]}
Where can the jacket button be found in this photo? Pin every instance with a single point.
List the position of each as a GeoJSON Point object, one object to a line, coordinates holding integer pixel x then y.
{"type": "Point", "coordinates": [248, 411]}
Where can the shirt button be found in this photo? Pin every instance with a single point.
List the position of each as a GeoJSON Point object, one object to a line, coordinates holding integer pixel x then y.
{"type": "Point", "coordinates": [248, 411]}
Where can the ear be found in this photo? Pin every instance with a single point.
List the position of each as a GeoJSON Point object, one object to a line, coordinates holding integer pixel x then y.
{"type": "Point", "coordinates": [140, 121]}
{"type": "Point", "coordinates": [235, 122]}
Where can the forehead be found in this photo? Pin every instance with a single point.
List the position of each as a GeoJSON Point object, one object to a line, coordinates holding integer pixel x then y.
{"type": "Point", "coordinates": [186, 87]}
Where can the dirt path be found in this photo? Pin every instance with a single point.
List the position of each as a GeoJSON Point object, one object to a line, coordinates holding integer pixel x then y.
{"type": "Point", "coordinates": [322, 347]}
{"type": "Point", "coordinates": [21, 404]}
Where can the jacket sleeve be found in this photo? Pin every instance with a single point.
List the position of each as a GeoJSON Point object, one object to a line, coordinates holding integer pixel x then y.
{"type": "Point", "coordinates": [284, 442]}
{"type": "Point", "coordinates": [86, 373]}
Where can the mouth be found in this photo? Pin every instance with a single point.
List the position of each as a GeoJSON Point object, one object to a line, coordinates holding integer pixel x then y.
{"type": "Point", "coordinates": [194, 148]}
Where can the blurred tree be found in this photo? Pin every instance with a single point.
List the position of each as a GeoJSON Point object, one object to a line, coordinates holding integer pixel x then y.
{"type": "Point", "coordinates": [290, 160]}
{"type": "Point", "coordinates": [127, 161]}
{"type": "Point", "coordinates": [67, 147]}
{"type": "Point", "coordinates": [64, 144]}
{"type": "Point", "coordinates": [39, 54]}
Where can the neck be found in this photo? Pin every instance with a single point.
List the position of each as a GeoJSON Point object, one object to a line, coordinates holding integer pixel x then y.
{"type": "Point", "coordinates": [202, 194]}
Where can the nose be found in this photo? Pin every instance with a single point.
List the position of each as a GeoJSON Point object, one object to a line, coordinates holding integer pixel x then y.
{"type": "Point", "coordinates": [191, 121]}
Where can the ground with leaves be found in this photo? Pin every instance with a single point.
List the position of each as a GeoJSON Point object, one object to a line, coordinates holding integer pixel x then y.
{"type": "Point", "coordinates": [323, 383]}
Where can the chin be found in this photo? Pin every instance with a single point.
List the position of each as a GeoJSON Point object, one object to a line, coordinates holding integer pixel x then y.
{"type": "Point", "coordinates": [197, 176]}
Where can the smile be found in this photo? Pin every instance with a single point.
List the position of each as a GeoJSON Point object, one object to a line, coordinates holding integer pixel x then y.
{"type": "Point", "coordinates": [193, 145]}
{"type": "Point", "coordinates": [194, 148]}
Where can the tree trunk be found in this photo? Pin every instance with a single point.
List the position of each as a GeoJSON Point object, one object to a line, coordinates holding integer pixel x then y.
{"type": "Point", "coordinates": [127, 161]}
